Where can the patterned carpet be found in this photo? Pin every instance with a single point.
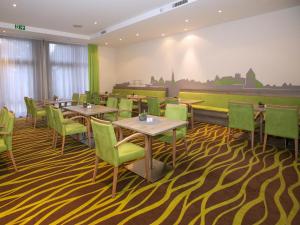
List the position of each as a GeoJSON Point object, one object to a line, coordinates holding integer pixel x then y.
{"type": "Point", "coordinates": [213, 184]}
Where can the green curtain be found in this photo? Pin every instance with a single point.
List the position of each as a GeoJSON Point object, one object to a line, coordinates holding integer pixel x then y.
{"type": "Point", "coordinates": [93, 69]}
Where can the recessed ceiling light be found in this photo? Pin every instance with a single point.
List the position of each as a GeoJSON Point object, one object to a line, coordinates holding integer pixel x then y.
{"type": "Point", "coordinates": [14, 5]}
{"type": "Point", "coordinates": [163, 34]}
{"type": "Point", "coordinates": [137, 34]}
{"type": "Point", "coordinates": [185, 29]}
{"type": "Point", "coordinates": [106, 43]}
{"type": "Point", "coordinates": [4, 31]}
{"type": "Point", "coordinates": [186, 20]}
{"type": "Point", "coordinates": [95, 22]}
{"type": "Point", "coordinates": [120, 39]}
{"type": "Point", "coordinates": [220, 11]}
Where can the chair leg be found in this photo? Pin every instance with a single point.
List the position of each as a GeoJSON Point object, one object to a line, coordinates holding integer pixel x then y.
{"type": "Point", "coordinates": [11, 155]}
{"type": "Point", "coordinates": [296, 149]}
{"type": "Point", "coordinates": [285, 143]}
{"type": "Point", "coordinates": [53, 137]}
{"type": "Point", "coordinates": [228, 135]}
{"type": "Point", "coordinates": [252, 139]}
{"type": "Point", "coordinates": [55, 141]}
{"type": "Point", "coordinates": [115, 180]}
{"type": "Point", "coordinates": [265, 141]}
{"type": "Point", "coordinates": [174, 147]}
{"type": "Point", "coordinates": [192, 117]}
{"type": "Point", "coordinates": [63, 144]}
{"type": "Point", "coordinates": [186, 146]}
{"type": "Point", "coordinates": [34, 125]}
{"type": "Point", "coordinates": [95, 168]}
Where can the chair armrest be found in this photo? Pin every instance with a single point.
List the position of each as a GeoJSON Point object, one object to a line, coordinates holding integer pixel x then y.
{"type": "Point", "coordinates": [130, 138]}
{"type": "Point", "coordinates": [79, 117]}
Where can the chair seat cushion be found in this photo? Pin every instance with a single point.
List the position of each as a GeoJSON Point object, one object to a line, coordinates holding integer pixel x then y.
{"type": "Point", "coordinates": [168, 136]}
{"type": "Point", "coordinates": [3, 146]}
{"type": "Point", "coordinates": [130, 151]}
{"type": "Point", "coordinates": [74, 128]}
{"type": "Point", "coordinates": [41, 112]}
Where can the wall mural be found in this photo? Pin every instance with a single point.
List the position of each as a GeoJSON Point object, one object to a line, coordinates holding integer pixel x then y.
{"type": "Point", "coordinates": [248, 83]}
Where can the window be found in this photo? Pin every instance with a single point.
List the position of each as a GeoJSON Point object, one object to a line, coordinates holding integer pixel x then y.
{"type": "Point", "coordinates": [17, 73]}
{"type": "Point", "coordinates": [68, 69]}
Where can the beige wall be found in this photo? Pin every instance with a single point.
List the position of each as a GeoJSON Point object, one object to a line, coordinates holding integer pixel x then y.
{"type": "Point", "coordinates": [107, 68]}
{"type": "Point", "coordinates": [267, 43]}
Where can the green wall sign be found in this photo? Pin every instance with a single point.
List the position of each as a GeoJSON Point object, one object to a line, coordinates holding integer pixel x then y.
{"type": "Point", "coordinates": [20, 27]}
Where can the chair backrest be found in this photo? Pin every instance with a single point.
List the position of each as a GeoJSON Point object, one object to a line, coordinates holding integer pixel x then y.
{"type": "Point", "coordinates": [96, 98]}
{"type": "Point", "coordinates": [282, 121]}
{"type": "Point", "coordinates": [75, 99]}
{"type": "Point", "coordinates": [241, 116]}
{"type": "Point", "coordinates": [153, 106]}
{"type": "Point", "coordinates": [171, 101]}
{"type": "Point", "coordinates": [88, 97]}
{"type": "Point", "coordinates": [58, 120]}
{"type": "Point", "coordinates": [112, 102]}
{"type": "Point", "coordinates": [177, 112]}
{"type": "Point", "coordinates": [9, 126]}
{"type": "Point", "coordinates": [105, 139]}
{"type": "Point", "coordinates": [82, 99]}
{"type": "Point", "coordinates": [3, 115]}
{"type": "Point", "coordinates": [49, 114]}
{"type": "Point", "coordinates": [27, 105]}
{"type": "Point", "coordinates": [125, 108]}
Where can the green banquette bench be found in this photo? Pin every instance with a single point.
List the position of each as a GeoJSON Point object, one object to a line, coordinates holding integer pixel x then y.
{"type": "Point", "coordinates": [214, 107]}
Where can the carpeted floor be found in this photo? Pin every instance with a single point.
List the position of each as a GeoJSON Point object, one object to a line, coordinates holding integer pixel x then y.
{"type": "Point", "coordinates": [213, 184]}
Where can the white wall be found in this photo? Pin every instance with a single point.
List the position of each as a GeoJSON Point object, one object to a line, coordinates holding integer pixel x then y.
{"type": "Point", "coordinates": [269, 43]}
{"type": "Point", "coordinates": [107, 68]}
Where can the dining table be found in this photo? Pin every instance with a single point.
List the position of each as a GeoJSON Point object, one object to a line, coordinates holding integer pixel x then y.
{"type": "Point", "coordinates": [60, 102]}
{"type": "Point", "coordinates": [91, 110]}
{"type": "Point", "coordinates": [190, 103]}
{"type": "Point", "coordinates": [138, 99]}
{"type": "Point", "coordinates": [151, 127]}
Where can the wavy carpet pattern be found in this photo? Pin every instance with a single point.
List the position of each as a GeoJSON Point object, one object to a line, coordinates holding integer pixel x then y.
{"type": "Point", "coordinates": [215, 183]}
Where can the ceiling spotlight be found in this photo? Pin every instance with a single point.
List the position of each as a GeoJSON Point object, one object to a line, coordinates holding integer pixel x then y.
{"type": "Point", "coordinates": [186, 20]}
{"type": "Point", "coordinates": [106, 43]}
{"type": "Point", "coordinates": [185, 29]}
{"type": "Point", "coordinates": [163, 34]}
{"type": "Point", "coordinates": [137, 34]}
{"type": "Point", "coordinates": [120, 39]}
{"type": "Point", "coordinates": [220, 11]}
{"type": "Point", "coordinates": [4, 31]}
{"type": "Point", "coordinates": [95, 22]}
{"type": "Point", "coordinates": [14, 5]}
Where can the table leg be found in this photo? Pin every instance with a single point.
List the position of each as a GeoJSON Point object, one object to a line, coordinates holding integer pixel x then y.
{"type": "Point", "coordinates": [192, 117]}
{"type": "Point", "coordinates": [150, 151]}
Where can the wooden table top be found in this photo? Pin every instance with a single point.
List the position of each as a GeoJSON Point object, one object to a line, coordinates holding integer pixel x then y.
{"type": "Point", "coordinates": [159, 125]}
{"type": "Point", "coordinates": [94, 110]}
{"type": "Point", "coordinates": [51, 101]}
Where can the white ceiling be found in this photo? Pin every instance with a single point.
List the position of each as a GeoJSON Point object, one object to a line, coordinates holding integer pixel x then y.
{"type": "Point", "coordinates": [53, 19]}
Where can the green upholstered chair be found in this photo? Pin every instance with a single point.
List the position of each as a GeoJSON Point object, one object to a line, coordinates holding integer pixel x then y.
{"type": "Point", "coordinates": [282, 122]}
{"type": "Point", "coordinates": [36, 112]}
{"type": "Point", "coordinates": [88, 97]}
{"type": "Point", "coordinates": [113, 103]}
{"type": "Point", "coordinates": [171, 101]}
{"type": "Point", "coordinates": [3, 118]}
{"type": "Point", "coordinates": [125, 108]}
{"type": "Point", "coordinates": [82, 99]}
{"type": "Point", "coordinates": [6, 136]}
{"type": "Point", "coordinates": [64, 128]}
{"type": "Point", "coordinates": [175, 112]}
{"type": "Point", "coordinates": [116, 153]}
{"type": "Point", "coordinates": [154, 106]}
{"type": "Point", "coordinates": [75, 99]}
{"type": "Point", "coordinates": [241, 116]}
{"type": "Point", "coordinates": [28, 113]}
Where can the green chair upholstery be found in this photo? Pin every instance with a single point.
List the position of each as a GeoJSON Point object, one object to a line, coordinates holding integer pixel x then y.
{"type": "Point", "coordinates": [171, 101]}
{"type": "Point", "coordinates": [28, 113]}
{"type": "Point", "coordinates": [175, 112]}
{"type": "Point", "coordinates": [96, 99]}
{"type": "Point", "coordinates": [64, 127]}
{"type": "Point", "coordinates": [82, 99]}
{"type": "Point", "coordinates": [6, 136]}
{"type": "Point", "coordinates": [125, 108]}
{"type": "Point", "coordinates": [282, 122]}
{"type": "Point", "coordinates": [89, 97]}
{"type": "Point", "coordinates": [241, 116]}
{"type": "Point", "coordinates": [75, 99]}
{"type": "Point", "coordinates": [154, 106]}
{"type": "Point", "coordinates": [111, 102]}
{"type": "Point", "coordinates": [116, 153]}
{"type": "Point", "coordinates": [36, 112]}
{"type": "Point", "coordinates": [3, 118]}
